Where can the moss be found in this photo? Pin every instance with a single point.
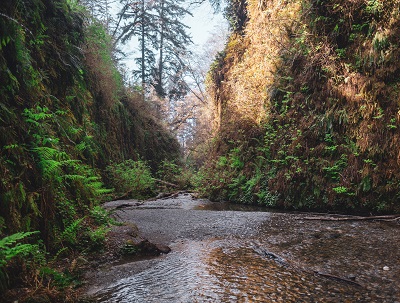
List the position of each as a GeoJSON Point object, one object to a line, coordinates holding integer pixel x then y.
{"type": "Point", "coordinates": [318, 89]}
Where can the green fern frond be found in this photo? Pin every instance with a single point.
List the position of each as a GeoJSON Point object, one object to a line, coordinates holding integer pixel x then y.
{"type": "Point", "coordinates": [92, 179]}
{"type": "Point", "coordinates": [76, 164]}
{"type": "Point", "coordinates": [47, 153]}
{"type": "Point", "coordinates": [12, 239]}
{"type": "Point", "coordinates": [103, 191]}
{"type": "Point", "coordinates": [18, 250]}
{"type": "Point", "coordinates": [70, 233]}
{"type": "Point", "coordinates": [51, 168]}
{"type": "Point", "coordinates": [74, 177]}
{"type": "Point", "coordinates": [8, 251]}
{"type": "Point", "coordinates": [81, 146]}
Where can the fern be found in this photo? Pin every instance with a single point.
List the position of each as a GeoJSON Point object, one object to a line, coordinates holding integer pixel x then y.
{"type": "Point", "coordinates": [70, 233]}
{"type": "Point", "coordinates": [9, 249]}
{"type": "Point", "coordinates": [51, 169]}
{"type": "Point", "coordinates": [12, 239]}
{"type": "Point", "coordinates": [74, 178]}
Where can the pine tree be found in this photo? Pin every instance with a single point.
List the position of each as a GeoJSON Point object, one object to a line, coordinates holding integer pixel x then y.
{"type": "Point", "coordinates": [157, 27]}
{"type": "Point", "coordinates": [140, 22]}
{"type": "Point", "coordinates": [173, 44]}
{"type": "Point", "coordinates": [101, 10]}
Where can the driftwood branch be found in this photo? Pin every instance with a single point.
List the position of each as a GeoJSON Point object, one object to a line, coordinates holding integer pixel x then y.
{"type": "Point", "coordinates": [286, 263]}
{"type": "Point", "coordinates": [129, 192]}
{"type": "Point", "coordinates": [337, 278]}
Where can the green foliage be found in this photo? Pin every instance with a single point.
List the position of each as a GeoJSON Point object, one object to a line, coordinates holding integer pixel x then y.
{"type": "Point", "coordinates": [100, 215]}
{"type": "Point", "coordinates": [133, 177]}
{"type": "Point", "coordinates": [81, 236]}
{"type": "Point", "coordinates": [374, 7]}
{"type": "Point", "coordinates": [97, 237]}
{"type": "Point", "coordinates": [10, 248]}
{"type": "Point", "coordinates": [178, 174]}
{"type": "Point", "coordinates": [169, 171]}
{"type": "Point", "coordinates": [59, 279]}
{"type": "Point", "coordinates": [340, 190]}
{"type": "Point", "coordinates": [333, 172]}
{"type": "Point", "coordinates": [101, 62]}
{"type": "Point", "coordinates": [341, 52]}
{"type": "Point", "coordinates": [71, 233]}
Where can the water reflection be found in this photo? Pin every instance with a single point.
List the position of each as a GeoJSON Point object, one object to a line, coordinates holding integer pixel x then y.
{"type": "Point", "coordinates": [228, 271]}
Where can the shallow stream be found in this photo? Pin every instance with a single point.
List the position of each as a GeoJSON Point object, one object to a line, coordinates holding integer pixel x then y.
{"type": "Point", "coordinates": [227, 253]}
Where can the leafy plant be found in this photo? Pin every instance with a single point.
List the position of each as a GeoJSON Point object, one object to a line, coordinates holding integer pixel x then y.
{"type": "Point", "coordinates": [340, 190]}
{"type": "Point", "coordinates": [10, 248]}
{"type": "Point", "coordinates": [169, 171]}
{"type": "Point", "coordinates": [54, 277]}
{"type": "Point", "coordinates": [100, 215]}
{"type": "Point", "coordinates": [374, 7]}
{"type": "Point", "coordinates": [131, 177]}
{"type": "Point", "coordinates": [71, 233]}
{"type": "Point", "coordinates": [333, 172]}
{"type": "Point", "coordinates": [97, 237]}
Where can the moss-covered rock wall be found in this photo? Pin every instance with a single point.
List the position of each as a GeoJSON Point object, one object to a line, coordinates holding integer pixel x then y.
{"type": "Point", "coordinates": [64, 115]}
{"type": "Point", "coordinates": [314, 89]}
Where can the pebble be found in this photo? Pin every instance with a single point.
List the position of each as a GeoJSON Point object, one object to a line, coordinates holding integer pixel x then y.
{"type": "Point", "coordinates": [386, 268]}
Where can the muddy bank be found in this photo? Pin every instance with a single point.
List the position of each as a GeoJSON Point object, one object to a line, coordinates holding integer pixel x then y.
{"type": "Point", "coordinates": [250, 255]}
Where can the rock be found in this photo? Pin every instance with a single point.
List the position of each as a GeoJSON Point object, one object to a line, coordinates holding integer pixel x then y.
{"type": "Point", "coordinates": [386, 268]}
{"type": "Point", "coordinates": [147, 247]}
{"type": "Point", "coordinates": [163, 248]}
{"type": "Point", "coordinates": [141, 246]}
{"type": "Point", "coordinates": [352, 277]}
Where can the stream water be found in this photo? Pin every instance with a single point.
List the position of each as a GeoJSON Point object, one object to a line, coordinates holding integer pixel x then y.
{"type": "Point", "coordinates": [225, 253]}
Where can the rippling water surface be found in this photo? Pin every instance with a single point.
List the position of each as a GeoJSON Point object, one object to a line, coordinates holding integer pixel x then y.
{"type": "Point", "coordinates": [239, 267]}
{"type": "Point", "coordinates": [223, 271]}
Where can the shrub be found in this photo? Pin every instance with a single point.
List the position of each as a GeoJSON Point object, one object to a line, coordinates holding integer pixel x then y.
{"type": "Point", "coordinates": [131, 178]}
{"type": "Point", "coordinates": [179, 175]}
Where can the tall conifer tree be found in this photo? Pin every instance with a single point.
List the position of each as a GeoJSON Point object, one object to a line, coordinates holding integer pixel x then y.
{"type": "Point", "coordinates": [173, 45]}
{"type": "Point", "coordinates": [162, 39]}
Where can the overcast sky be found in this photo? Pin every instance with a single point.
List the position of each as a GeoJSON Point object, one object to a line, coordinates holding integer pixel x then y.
{"type": "Point", "coordinates": [203, 25]}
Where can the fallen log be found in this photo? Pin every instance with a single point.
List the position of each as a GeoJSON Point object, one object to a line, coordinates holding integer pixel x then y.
{"type": "Point", "coordinates": [129, 192]}
{"type": "Point", "coordinates": [351, 218]}
{"type": "Point", "coordinates": [166, 183]}
{"type": "Point", "coordinates": [124, 196]}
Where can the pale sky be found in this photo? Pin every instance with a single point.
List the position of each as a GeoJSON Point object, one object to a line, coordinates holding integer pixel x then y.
{"type": "Point", "coordinates": [203, 25]}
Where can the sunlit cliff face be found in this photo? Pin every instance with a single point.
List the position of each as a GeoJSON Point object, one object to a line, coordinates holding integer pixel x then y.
{"type": "Point", "coordinates": [319, 82]}
{"type": "Point", "coordinates": [253, 58]}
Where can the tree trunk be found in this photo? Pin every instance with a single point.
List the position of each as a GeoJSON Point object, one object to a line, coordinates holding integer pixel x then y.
{"type": "Point", "coordinates": [160, 88]}
{"type": "Point", "coordinates": [143, 50]}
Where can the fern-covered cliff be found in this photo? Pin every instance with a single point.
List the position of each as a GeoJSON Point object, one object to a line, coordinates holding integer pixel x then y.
{"type": "Point", "coordinates": [307, 97]}
{"type": "Point", "coordinates": [64, 116]}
